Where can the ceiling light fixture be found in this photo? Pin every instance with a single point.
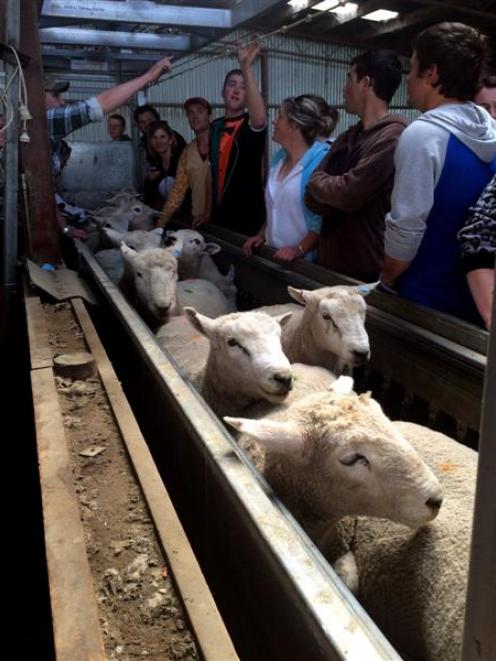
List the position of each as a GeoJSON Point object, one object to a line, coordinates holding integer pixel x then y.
{"type": "Point", "coordinates": [327, 5]}
{"type": "Point", "coordinates": [381, 15]}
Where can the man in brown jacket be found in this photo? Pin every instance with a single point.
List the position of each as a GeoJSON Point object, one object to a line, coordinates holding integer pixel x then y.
{"type": "Point", "coordinates": [352, 186]}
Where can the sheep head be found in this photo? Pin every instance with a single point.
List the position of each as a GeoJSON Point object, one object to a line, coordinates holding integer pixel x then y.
{"type": "Point", "coordinates": [137, 239]}
{"type": "Point", "coordinates": [347, 458]}
{"type": "Point", "coordinates": [154, 273]}
{"type": "Point", "coordinates": [193, 243]}
{"type": "Point", "coordinates": [336, 318]}
{"type": "Point", "coordinates": [247, 346]}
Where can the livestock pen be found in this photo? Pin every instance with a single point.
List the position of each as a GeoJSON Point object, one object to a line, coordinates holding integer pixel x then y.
{"type": "Point", "coordinates": [148, 532]}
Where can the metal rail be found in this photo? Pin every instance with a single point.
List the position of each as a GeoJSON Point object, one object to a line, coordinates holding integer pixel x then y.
{"type": "Point", "coordinates": [436, 361]}
{"type": "Point", "coordinates": [275, 577]}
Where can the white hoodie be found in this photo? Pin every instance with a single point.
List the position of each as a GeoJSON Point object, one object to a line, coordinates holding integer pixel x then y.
{"type": "Point", "coordinates": [419, 162]}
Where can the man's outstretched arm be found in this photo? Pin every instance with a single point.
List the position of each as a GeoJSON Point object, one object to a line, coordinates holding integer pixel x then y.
{"type": "Point", "coordinates": [116, 96]}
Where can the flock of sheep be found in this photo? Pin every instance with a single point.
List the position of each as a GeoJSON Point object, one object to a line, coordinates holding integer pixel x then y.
{"type": "Point", "coordinates": [389, 504]}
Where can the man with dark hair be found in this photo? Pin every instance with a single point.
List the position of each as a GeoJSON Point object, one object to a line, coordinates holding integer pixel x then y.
{"type": "Point", "coordinates": [443, 162]}
{"type": "Point", "coordinates": [351, 188]}
{"type": "Point", "coordinates": [193, 169]}
{"type": "Point", "coordinates": [116, 127]}
{"type": "Point", "coordinates": [486, 96]}
{"type": "Point", "coordinates": [236, 150]}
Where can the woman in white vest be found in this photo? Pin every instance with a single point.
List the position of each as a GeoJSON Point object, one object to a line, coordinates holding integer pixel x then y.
{"type": "Point", "coordinates": [301, 127]}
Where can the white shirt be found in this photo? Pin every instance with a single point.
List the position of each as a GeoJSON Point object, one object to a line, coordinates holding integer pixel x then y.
{"type": "Point", "coordinates": [284, 204]}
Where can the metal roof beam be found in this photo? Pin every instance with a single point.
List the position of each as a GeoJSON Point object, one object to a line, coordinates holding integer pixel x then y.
{"type": "Point", "coordinates": [86, 37]}
{"type": "Point", "coordinates": [137, 11]}
{"type": "Point", "coordinates": [246, 11]}
{"type": "Point", "coordinates": [94, 55]}
{"type": "Point", "coordinates": [465, 9]}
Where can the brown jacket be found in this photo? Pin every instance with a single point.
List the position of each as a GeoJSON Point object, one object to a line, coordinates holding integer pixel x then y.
{"type": "Point", "coordinates": [352, 188]}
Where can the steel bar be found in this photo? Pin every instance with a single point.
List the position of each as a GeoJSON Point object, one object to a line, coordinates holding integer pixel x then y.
{"type": "Point", "coordinates": [479, 640]}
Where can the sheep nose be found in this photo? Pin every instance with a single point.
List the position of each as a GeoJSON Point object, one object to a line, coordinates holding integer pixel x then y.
{"type": "Point", "coordinates": [360, 357]}
{"type": "Point", "coordinates": [434, 503]}
{"type": "Point", "coordinates": [163, 309]}
{"type": "Point", "coordinates": [285, 381]}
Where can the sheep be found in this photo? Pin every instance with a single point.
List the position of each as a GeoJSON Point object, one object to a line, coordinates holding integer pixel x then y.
{"type": "Point", "coordinates": [196, 261]}
{"type": "Point", "coordinates": [111, 260]}
{"type": "Point", "coordinates": [330, 330]}
{"type": "Point", "coordinates": [150, 283]}
{"type": "Point", "coordinates": [126, 214]}
{"type": "Point", "coordinates": [411, 580]}
{"type": "Point", "coordinates": [413, 584]}
{"type": "Point", "coordinates": [242, 362]}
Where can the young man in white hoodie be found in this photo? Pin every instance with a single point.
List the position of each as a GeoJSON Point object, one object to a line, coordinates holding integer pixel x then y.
{"type": "Point", "coordinates": [443, 161]}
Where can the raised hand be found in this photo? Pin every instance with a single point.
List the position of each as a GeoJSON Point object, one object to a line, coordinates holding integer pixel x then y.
{"type": "Point", "coordinates": [247, 54]}
{"type": "Point", "coordinates": [162, 66]}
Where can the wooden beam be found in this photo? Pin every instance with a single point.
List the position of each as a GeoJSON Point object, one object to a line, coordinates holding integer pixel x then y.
{"type": "Point", "coordinates": [76, 626]}
{"type": "Point", "coordinates": [43, 232]}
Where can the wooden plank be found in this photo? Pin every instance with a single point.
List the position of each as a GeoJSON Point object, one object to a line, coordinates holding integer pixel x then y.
{"type": "Point", "coordinates": [40, 351]}
{"type": "Point", "coordinates": [206, 622]}
{"type": "Point", "coordinates": [43, 231]}
{"type": "Point", "coordinates": [76, 626]}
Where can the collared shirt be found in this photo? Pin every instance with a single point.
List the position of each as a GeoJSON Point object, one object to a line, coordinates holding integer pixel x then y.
{"type": "Point", "coordinates": [66, 119]}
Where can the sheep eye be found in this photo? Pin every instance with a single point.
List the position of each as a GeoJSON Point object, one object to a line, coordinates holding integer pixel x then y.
{"type": "Point", "coordinates": [328, 317]}
{"type": "Point", "coordinates": [196, 241]}
{"type": "Point", "coordinates": [139, 274]}
{"type": "Point", "coordinates": [137, 209]}
{"type": "Point", "coordinates": [353, 459]}
{"type": "Point", "coordinates": [232, 342]}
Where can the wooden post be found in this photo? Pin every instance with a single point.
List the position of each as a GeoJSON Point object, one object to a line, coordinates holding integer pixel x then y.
{"type": "Point", "coordinates": [42, 232]}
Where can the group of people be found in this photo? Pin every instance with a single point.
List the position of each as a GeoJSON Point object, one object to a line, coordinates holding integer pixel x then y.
{"type": "Point", "coordinates": [384, 200]}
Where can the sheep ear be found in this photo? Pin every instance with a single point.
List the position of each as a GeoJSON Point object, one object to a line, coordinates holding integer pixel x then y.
{"type": "Point", "coordinates": [231, 273]}
{"type": "Point", "coordinates": [301, 296]}
{"type": "Point", "coordinates": [275, 436]}
{"type": "Point", "coordinates": [159, 231]}
{"type": "Point", "coordinates": [113, 236]}
{"type": "Point", "coordinates": [212, 248]}
{"type": "Point", "coordinates": [200, 322]}
{"type": "Point", "coordinates": [128, 253]}
{"type": "Point", "coordinates": [365, 289]}
{"type": "Point", "coordinates": [283, 319]}
{"type": "Point", "coordinates": [343, 385]}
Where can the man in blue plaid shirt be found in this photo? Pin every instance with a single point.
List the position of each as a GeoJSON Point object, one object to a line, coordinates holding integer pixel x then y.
{"type": "Point", "coordinates": [64, 119]}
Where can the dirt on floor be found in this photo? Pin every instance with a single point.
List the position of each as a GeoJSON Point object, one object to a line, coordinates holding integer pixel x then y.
{"type": "Point", "coordinates": [140, 613]}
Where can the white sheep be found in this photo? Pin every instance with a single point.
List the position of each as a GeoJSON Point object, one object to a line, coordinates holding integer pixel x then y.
{"type": "Point", "coordinates": [242, 362]}
{"type": "Point", "coordinates": [330, 329]}
{"type": "Point", "coordinates": [111, 259]}
{"type": "Point", "coordinates": [195, 261]}
{"type": "Point", "coordinates": [411, 581]}
{"type": "Point", "coordinates": [150, 283]}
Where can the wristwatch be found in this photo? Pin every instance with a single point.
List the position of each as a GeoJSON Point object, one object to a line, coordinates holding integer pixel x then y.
{"type": "Point", "coordinates": [66, 230]}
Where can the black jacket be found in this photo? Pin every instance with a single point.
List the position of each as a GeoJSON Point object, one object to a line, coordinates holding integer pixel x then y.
{"type": "Point", "coordinates": [241, 207]}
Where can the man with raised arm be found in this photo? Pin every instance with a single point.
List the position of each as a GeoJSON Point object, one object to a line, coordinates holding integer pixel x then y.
{"type": "Point", "coordinates": [64, 119]}
{"type": "Point", "coordinates": [236, 150]}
